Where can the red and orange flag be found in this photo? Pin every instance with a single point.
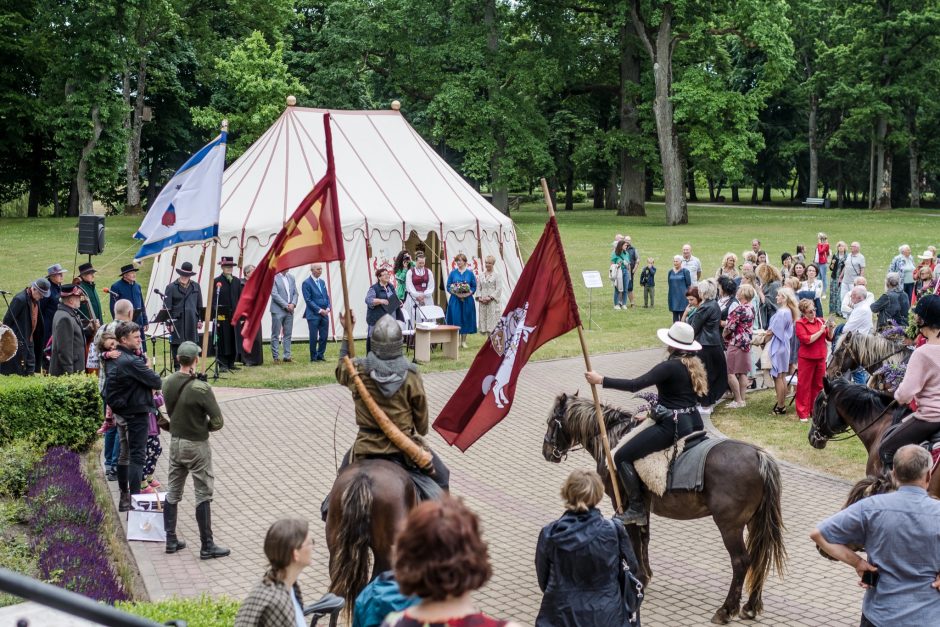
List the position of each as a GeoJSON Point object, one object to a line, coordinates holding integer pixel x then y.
{"type": "Point", "coordinates": [313, 234]}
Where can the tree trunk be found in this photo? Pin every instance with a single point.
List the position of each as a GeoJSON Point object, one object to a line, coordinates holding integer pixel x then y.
{"type": "Point", "coordinates": [754, 194]}
{"type": "Point", "coordinates": [71, 207]}
{"type": "Point", "coordinates": [871, 172]}
{"type": "Point", "coordinates": [37, 177]}
{"type": "Point", "coordinates": [840, 188]}
{"type": "Point", "coordinates": [711, 188]}
{"type": "Point", "coordinates": [677, 210]}
{"type": "Point", "coordinates": [766, 197]}
{"type": "Point", "coordinates": [914, 155]}
{"type": "Point", "coordinates": [690, 185]}
{"type": "Point", "coordinates": [498, 188]}
{"type": "Point", "coordinates": [85, 200]}
{"type": "Point", "coordinates": [136, 126]}
{"type": "Point", "coordinates": [610, 198]}
{"type": "Point", "coordinates": [813, 186]}
{"type": "Point", "coordinates": [569, 188]}
{"type": "Point", "coordinates": [882, 190]}
{"type": "Point", "coordinates": [632, 170]}
{"type": "Point", "coordinates": [734, 194]}
{"type": "Point", "coordinates": [599, 192]}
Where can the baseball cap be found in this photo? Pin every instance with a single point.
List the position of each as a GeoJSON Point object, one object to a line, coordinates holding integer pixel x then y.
{"type": "Point", "coordinates": [189, 350]}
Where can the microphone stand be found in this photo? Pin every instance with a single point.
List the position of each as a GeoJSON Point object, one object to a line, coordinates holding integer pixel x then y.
{"type": "Point", "coordinates": [153, 338]}
{"type": "Point", "coordinates": [217, 337]}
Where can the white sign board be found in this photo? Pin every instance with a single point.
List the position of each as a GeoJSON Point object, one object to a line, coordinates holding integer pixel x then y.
{"type": "Point", "coordinates": [592, 278]}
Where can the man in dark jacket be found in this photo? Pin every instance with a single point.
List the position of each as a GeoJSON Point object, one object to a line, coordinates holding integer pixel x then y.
{"type": "Point", "coordinates": [47, 308]}
{"type": "Point", "coordinates": [91, 306]}
{"type": "Point", "coordinates": [183, 299]}
{"type": "Point", "coordinates": [893, 304]}
{"type": "Point", "coordinates": [129, 392]}
{"type": "Point", "coordinates": [229, 290]}
{"type": "Point", "coordinates": [127, 288]}
{"type": "Point", "coordinates": [24, 318]}
{"type": "Point", "coordinates": [69, 334]}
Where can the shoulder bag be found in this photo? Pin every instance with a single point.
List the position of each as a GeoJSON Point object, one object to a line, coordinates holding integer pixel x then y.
{"type": "Point", "coordinates": [631, 590]}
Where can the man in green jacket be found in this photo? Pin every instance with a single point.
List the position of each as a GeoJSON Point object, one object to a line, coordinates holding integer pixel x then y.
{"type": "Point", "coordinates": [194, 413]}
{"type": "Point", "coordinates": [91, 305]}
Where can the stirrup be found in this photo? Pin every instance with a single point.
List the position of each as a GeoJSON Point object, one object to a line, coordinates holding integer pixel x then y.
{"type": "Point", "coordinates": [633, 516]}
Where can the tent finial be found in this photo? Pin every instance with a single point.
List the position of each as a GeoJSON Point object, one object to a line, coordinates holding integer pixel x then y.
{"type": "Point", "coordinates": [396, 105]}
{"type": "Point", "coordinates": [291, 101]}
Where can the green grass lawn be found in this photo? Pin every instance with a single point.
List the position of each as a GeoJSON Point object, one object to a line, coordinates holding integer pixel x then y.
{"type": "Point", "coordinates": [28, 247]}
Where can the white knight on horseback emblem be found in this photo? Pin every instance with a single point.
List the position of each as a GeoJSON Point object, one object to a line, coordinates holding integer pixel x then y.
{"type": "Point", "coordinates": [506, 338]}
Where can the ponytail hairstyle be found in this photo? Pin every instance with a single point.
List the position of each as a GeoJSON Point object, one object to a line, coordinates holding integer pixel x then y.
{"type": "Point", "coordinates": [696, 370]}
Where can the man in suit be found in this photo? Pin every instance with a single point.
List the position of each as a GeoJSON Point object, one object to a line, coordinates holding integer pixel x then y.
{"type": "Point", "coordinates": [283, 303]}
{"type": "Point", "coordinates": [317, 314]}
{"type": "Point", "coordinates": [229, 290]}
{"type": "Point", "coordinates": [127, 288]}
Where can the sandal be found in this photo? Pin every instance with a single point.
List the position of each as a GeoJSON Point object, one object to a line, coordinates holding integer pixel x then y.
{"type": "Point", "coordinates": [780, 411]}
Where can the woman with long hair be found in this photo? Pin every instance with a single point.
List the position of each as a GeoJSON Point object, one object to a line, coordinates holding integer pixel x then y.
{"type": "Point", "coordinates": [680, 380]}
{"type": "Point", "coordinates": [276, 600]}
{"type": "Point", "coordinates": [621, 258]}
{"type": "Point", "coordinates": [779, 333]}
{"type": "Point", "coordinates": [441, 558]}
{"type": "Point", "coordinates": [577, 567]}
{"type": "Point", "coordinates": [836, 266]}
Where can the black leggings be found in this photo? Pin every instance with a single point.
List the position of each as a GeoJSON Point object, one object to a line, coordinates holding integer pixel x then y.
{"type": "Point", "coordinates": [657, 437]}
{"type": "Point", "coordinates": [914, 431]}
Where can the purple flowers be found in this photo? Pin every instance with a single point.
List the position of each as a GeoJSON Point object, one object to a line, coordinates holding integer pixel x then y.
{"type": "Point", "coordinates": [891, 376]}
{"type": "Point", "coordinates": [65, 527]}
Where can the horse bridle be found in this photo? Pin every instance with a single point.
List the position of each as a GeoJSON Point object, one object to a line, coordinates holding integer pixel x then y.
{"type": "Point", "coordinates": [868, 367]}
{"type": "Point", "coordinates": [817, 434]}
{"type": "Point", "coordinates": [551, 438]}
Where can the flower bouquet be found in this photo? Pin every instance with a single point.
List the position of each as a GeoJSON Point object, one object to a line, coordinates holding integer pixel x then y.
{"type": "Point", "coordinates": [887, 378]}
{"type": "Point", "coordinates": [461, 289]}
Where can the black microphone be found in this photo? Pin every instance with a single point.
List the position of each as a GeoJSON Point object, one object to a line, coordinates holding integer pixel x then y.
{"type": "Point", "coordinates": [159, 293]}
{"type": "Point", "coordinates": [4, 292]}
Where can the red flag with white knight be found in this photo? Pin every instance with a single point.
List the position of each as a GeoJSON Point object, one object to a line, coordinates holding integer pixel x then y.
{"type": "Point", "coordinates": [541, 308]}
{"type": "Point", "coordinates": [313, 234]}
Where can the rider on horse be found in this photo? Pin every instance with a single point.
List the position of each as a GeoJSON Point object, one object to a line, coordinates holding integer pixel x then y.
{"type": "Point", "coordinates": [396, 387]}
{"type": "Point", "coordinates": [679, 381]}
{"type": "Point", "coordinates": [921, 383]}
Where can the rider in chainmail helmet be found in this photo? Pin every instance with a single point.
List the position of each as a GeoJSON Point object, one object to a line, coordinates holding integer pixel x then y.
{"type": "Point", "coordinates": [395, 385]}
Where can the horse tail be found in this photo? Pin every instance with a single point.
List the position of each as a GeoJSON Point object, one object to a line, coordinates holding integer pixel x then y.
{"type": "Point", "coordinates": [869, 486]}
{"type": "Point", "coordinates": [765, 547]}
{"type": "Point", "coordinates": [349, 565]}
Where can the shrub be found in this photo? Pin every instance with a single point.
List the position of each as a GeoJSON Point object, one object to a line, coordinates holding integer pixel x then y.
{"type": "Point", "coordinates": [52, 411]}
{"type": "Point", "coordinates": [17, 459]}
{"type": "Point", "coordinates": [65, 523]}
{"type": "Point", "coordinates": [202, 611]}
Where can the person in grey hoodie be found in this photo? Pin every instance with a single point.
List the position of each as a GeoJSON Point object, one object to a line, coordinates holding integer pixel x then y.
{"type": "Point", "coordinates": [577, 570]}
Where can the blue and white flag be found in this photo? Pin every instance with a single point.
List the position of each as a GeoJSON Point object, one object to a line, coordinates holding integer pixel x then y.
{"type": "Point", "coordinates": [187, 209]}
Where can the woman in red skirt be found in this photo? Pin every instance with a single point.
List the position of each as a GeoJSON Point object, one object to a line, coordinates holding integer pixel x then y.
{"type": "Point", "coordinates": [811, 332]}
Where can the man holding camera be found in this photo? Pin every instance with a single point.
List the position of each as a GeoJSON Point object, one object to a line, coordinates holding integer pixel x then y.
{"type": "Point", "coordinates": [194, 413]}
{"type": "Point", "coordinates": [901, 573]}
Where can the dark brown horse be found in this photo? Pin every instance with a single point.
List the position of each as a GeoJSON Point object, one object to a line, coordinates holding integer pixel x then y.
{"type": "Point", "coordinates": [843, 405]}
{"type": "Point", "coordinates": [742, 489]}
{"type": "Point", "coordinates": [367, 505]}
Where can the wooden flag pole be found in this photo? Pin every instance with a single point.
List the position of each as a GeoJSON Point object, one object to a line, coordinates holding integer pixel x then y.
{"type": "Point", "coordinates": [208, 314]}
{"type": "Point", "coordinates": [347, 313]}
{"type": "Point", "coordinates": [602, 428]}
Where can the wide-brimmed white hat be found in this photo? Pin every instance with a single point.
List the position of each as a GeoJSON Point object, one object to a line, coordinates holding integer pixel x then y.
{"type": "Point", "coordinates": [928, 254]}
{"type": "Point", "coordinates": [680, 335]}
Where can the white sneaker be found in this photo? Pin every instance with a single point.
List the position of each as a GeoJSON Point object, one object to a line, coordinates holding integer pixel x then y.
{"type": "Point", "coordinates": [616, 306]}
{"type": "Point", "coordinates": [736, 405]}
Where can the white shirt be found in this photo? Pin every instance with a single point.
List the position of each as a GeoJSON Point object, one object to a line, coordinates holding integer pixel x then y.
{"type": "Point", "coordinates": [817, 287]}
{"type": "Point", "coordinates": [693, 265]}
{"type": "Point", "coordinates": [414, 292]}
{"type": "Point", "coordinates": [847, 302]}
{"type": "Point", "coordinates": [860, 319]}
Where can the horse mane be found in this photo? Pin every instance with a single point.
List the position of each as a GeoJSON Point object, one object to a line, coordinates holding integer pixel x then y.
{"type": "Point", "coordinates": [871, 348]}
{"type": "Point", "coordinates": [582, 424]}
{"type": "Point", "coordinates": [857, 400]}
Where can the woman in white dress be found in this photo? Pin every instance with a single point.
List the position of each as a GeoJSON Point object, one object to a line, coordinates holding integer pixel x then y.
{"type": "Point", "coordinates": [419, 285]}
{"type": "Point", "coordinates": [488, 296]}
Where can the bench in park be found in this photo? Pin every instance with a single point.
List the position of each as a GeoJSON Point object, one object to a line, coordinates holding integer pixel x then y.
{"type": "Point", "coordinates": [816, 202]}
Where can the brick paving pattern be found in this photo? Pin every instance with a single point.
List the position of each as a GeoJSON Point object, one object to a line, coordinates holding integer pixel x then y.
{"type": "Point", "coordinates": [276, 457]}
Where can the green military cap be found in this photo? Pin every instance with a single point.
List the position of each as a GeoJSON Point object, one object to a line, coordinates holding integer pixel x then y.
{"type": "Point", "coordinates": [188, 349]}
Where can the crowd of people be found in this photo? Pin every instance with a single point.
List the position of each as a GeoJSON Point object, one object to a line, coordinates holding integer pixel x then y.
{"type": "Point", "coordinates": [762, 324]}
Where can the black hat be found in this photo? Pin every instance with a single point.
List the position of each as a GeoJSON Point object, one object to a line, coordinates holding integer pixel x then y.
{"type": "Point", "coordinates": [86, 268]}
{"type": "Point", "coordinates": [227, 262]}
{"type": "Point", "coordinates": [928, 309]}
{"type": "Point", "coordinates": [70, 290]}
{"type": "Point", "coordinates": [128, 268]}
{"type": "Point", "coordinates": [186, 269]}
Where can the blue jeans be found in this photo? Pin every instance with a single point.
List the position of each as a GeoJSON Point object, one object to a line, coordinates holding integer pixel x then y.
{"type": "Point", "coordinates": [318, 327]}
{"type": "Point", "coordinates": [860, 376]}
{"type": "Point", "coordinates": [822, 273]}
{"type": "Point", "coordinates": [112, 447]}
{"type": "Point", "coordinates": [620, 298]}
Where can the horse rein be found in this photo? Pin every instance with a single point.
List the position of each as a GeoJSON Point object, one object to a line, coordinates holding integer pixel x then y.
{"type": "Point", "coordinates": [857, 434]}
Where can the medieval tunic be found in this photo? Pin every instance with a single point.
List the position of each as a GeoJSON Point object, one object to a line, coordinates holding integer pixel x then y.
{"type": "Point", "coordinates": [407, 408]}
{"type": "Point", "coordinates": [223, 308]}
{"type": "Point", "coordinates": [184, 305]}
{"type": "Point", "coordinates": [418, 282]}
{"type": "Point", "coordinates": [489, 285]}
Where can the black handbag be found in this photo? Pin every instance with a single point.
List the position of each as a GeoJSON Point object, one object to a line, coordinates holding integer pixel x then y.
{"type": "Point", "coordinates": [658, 414]}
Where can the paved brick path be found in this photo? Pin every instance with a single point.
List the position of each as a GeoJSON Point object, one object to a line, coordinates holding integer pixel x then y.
{"type": "Point", "coordinates": [275, 458]}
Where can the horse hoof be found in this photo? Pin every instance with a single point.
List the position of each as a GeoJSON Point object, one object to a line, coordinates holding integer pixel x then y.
{"type": "Point", "coordinates": [748, 613]}
{"type": "Point", "coordinates": [721, 617]}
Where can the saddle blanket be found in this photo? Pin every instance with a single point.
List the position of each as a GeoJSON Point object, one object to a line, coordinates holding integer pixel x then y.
{"type": "Point", "coordinates": [688, 472]}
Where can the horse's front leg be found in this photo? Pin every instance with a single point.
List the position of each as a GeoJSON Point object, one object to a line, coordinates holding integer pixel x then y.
{"type": "Point", "coordinates": [733, 537]}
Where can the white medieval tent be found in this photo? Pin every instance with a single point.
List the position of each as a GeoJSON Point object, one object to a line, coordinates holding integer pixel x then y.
{"type": "Point", "coordinates": [394, 192]}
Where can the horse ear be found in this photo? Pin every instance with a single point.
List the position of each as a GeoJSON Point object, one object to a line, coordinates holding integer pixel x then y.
{"type": "Point", "coordinates": [576, 392]}
{"type": "Point", "coordinates": [827, 387]}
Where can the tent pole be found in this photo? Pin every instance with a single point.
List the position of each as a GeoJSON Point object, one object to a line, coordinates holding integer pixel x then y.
{"type": "Point", "coordinates": [208, 314]}
{"type": "Point", "coordinates": [347, 313]}
{"type": "Point", "coordinates": [602, 428]}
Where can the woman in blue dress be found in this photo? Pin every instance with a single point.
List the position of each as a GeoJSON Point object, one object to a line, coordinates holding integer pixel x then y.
{"type": "Point", "coordinates": [780, 330]}
{"type": "Point", "coordinates": [461, 310]}
{"type": "Point", "coordinates": [679, 281]}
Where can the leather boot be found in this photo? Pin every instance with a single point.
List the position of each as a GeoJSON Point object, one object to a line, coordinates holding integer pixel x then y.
{"type": "Point", "coordinates": [209, 549]}
{"type": "Point", "coordinates": [124, 503]}
{"type": "Point", "coordinates": [123, 484]}
{"type": "Point", "coordinates": [636, 513]}
{"type": "Point", "coordinates": [173, 544]}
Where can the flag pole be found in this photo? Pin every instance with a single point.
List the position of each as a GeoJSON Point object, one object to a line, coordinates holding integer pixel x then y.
{"type": "Point", "coordinates": [347, 313]}
{"type": "Point", "coordinates": [611, 467]}
{"type": "Point", "coordinates": [208, 314]}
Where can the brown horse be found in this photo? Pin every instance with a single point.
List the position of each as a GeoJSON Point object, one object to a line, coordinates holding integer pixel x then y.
{"type": "Point", "coordinates": [843, 405]}
{"type": "Point", "coordinates": [868, 352]}
{"type": "Point", "coordinates": [742, 489]}
{"type": "Point", "coordinates": [367, 505]}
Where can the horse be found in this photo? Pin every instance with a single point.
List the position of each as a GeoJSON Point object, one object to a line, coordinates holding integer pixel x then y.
{"type": "Point", "coordinates": [843, 405]}
{"type": "Point", "coordinates": [742, 489]}
{"type": "Point", "coordinates": [368, 504]}
{"type": "Point", "coordinates": [866, 351]}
